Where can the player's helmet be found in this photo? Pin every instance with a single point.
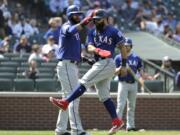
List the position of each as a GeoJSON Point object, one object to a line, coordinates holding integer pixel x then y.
{"type": "Point", "coordinates": [73, 9]}
{"type": "Point", "coordinates": [100, 14]}
{"type": "Point", "coordinates": [128, 42]}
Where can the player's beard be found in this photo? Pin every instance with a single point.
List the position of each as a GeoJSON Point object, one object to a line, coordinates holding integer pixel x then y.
{"type": "Point", "coordinates": [100, 26]}
{"type": "Point", "coordinates": [75, 20]}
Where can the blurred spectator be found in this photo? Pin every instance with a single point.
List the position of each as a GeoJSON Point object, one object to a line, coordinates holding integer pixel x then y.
{"type": "Point", "coordinates": [168, 32]}
{"type": "Point", "coordinates": [48, 54]}
{"type": "Point", "coordinates": [171, 21]}
{"type": "Point", "coordinates": [33, 23]}
{"type": "Point", "coordinates": [166, 65]}
{"type": "Point", "coordinates": [177, 80]}
{"type": "Point", "coordinates": [57, 7]}
{"type": "Point", "coordinates": [5, 9]}
{"type": "Point", "coordinates": [13, 21]}
{"type": "Point", "coordinates": [5, 45]}
{"type": "Point", "coordinates": [23, 28]}
{"type": "Point", "coordinates": [176, 36]}
{"type": "Point", "coordinates": [54, 30]}
{"type": "Point", "coordinates": [23, 46]}
{"type": "Point", "coordinates": [2, 23]}
{"type": "Point", "coordinates": [129, 10]}
{"type": "Point", "coordinates": [36, 53]}
{"type": "Point", "coordinates": [50, 44]}
{"type": "Point", "coordinates": [19, 9]}
{"type": "Point", "coordinates": [32, 71]}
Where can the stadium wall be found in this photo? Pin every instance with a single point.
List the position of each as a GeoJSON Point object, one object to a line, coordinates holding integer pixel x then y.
{"type": "Point", "coordinates": [33, 111]}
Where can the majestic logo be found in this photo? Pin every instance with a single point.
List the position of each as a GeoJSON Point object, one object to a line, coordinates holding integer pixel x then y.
{"type": "Point", "coordinates": [77, 36]}
{"type": "Point", "coordinates": [102, 40]}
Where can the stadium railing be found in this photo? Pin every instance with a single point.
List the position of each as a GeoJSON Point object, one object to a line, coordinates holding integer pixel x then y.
{"type": "Point", "coordinates": [165, 76]}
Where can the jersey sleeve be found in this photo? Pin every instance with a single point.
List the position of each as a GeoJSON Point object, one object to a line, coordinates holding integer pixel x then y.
{"type": "Point", "coordinates": [119, 37]}
{"type": "Point", "coordinates": [90, 38]}
{"type": "Point", "coordinates": [117, 61]}
{"type": "Point", "coordinates": [139, 65]}
{"type": "Point", "coordinates": [68, 29]}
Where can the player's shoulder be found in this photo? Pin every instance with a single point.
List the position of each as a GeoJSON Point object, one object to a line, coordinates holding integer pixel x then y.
{"type": "Point", "coordinates": [117, 57]}
{"type": "Point", "coordinates": [134, 55]}
{"type": "Point", "coordinates": [112, 28]}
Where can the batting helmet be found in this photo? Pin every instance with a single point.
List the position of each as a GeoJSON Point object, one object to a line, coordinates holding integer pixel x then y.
{"type": "Point", "coordinates": [73, 9]}
{"type": "Point", "coordinates": [100, 14]}
{"type": "Point", "coordinates": [128, 42]}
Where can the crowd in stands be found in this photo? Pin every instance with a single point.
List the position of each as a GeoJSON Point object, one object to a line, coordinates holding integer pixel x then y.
{"type": "Point", "coordinates": [33, 26]}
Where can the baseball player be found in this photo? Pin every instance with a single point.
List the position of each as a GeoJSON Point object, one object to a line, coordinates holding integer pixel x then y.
{"type": "Point", "coordinates": [69, 54]}
{"type": "Point", "coordinates": [102, 41]}
{"type": "Point", "coordinates": [127, 87]}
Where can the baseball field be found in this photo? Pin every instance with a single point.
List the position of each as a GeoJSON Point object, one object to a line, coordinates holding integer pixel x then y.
{"type": "Point", "coordinates": [165, 132]}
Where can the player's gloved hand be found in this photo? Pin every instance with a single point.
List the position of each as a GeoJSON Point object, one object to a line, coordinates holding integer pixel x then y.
{"type": "Point", "coordinates": [103, 53]}
{"type": "Point", "coordinates": [87, 19]}
{"type": "Point", "coordinates": [123, 71]}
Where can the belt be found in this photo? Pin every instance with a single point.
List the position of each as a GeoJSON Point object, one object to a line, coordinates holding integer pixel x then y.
{"type": "Point", "coordinates": [129, 81]}
{"type": "Point", "coordinates": [71, 61]}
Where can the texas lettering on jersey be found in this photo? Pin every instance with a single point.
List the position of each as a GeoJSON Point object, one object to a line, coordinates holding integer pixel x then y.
{"type": "Point", "coordinates": [98, 40]}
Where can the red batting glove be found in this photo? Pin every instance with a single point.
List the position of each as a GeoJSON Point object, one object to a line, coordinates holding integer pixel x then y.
{"type": "Point", "coordinates": [103, 53]}
{"type": "Point", "coordinates": [86, 20]}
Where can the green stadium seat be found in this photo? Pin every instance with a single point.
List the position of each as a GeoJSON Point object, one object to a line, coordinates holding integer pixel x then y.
{"type": "Point", "coordinates": [113, 86]}
{"type": "Point", "coordinates": [9, 64]}
{"type": "Point", "coordinates": [21, 69]}
{"type": "Point", "coordinates": [45, 85]}
{"type": "Point", "coordinates": [49, 64]}
{"type": "Point", "coordinates": [11, 55]}
{"type": "Point", "coordinates": [46, 75]}
{"type": "Point", "coordinates": [7, 75]}
{"type": "Point", "coordinates": [23, 85]}
{"type": "Point", "coordinates": [5, 59]}
{"type": "Point", "coordinates": [6, 84]}
{"type": "Point", "coordinates": [154, 85]}
{"type": "Point", "coordinates": [46, 70]}
{"type": "Point", "coordinates": [19, 59]}
{"type": "Point", "coordinates": [8, 69]}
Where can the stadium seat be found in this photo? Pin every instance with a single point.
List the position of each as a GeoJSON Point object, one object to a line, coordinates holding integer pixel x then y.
{"type": "Point", "coordinates": [19, 59]}
{"type": "Point", "coordinates": [7, 75]}
{"type": "Point", "coordinates": [6, 84]}
{"type": "Point", "coordinates": [11, 55]}
{"type": "Point", "coordinates": [45, 85]}
{"type": "Point", "coordinates": [46, 75]}
{"type": "Point", "coordinates": [9, 64]}
{"type": "Point", "coordinates": [8, 69]}
{"type": "Point", "coordinates": [154, 85]}
{"type": "Point", "coordinates": [46, 70]}
{"type": "Point", "coordinates": [5, 59]}
{"type": "Point", "coordinates": [49, 64]}
{"type": "Point", "coordinates": [23, 84]}
{"type": "Point", "coordinates": [113, 86]}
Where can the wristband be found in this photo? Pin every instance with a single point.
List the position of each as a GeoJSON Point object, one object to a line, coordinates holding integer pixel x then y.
{"type": "Point", "coordinates": [124, 62]}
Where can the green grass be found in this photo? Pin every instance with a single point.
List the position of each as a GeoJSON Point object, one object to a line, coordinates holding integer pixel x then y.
{"type": "Point", "coordinates": [5, 132]}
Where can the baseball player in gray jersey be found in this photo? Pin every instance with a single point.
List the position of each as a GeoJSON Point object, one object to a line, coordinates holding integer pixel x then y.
{"type": "Point", "coordinates": [102, 42]}
{"type": "Point", "coordinates": [69, 54]}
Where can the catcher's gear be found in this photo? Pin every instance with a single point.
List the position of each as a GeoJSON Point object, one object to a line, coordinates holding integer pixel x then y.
{"type": "Point", "coordinates": [99, 14]}
{"type": "Point", "coordinates": [73, 9]}
{"type": "Point", "coordinates": [103, 53]}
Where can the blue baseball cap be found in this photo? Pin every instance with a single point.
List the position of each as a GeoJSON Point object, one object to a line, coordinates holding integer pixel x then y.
{"type": "Point", "coordinates": [128, 41]}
